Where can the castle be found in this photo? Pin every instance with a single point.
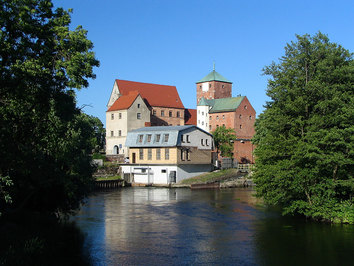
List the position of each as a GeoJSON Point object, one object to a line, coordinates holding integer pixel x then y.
{"type": "Point", "coordinates": [134, 105]}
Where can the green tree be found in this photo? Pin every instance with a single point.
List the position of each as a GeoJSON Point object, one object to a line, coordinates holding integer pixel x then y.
{"type": "Point", "coordinates": [304, 138]}
{"type": "Point", "coordinates": [223, 139]}
{"type": "Point", "coordinates": [44, 137]}
{"type": "Point", "coordinates": [98, 140]}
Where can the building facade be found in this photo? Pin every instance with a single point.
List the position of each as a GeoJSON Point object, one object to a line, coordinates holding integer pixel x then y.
{"type": "Point", "coordinates": [164, 155]}
{"type": "Point", "coordinates": [217, 108]}
{"type": "Point", "coordinates": [127, 113]}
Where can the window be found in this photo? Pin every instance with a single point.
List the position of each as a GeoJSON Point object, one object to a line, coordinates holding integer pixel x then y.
{"type": "Point", "coordinates": [138, 116]}
{"type": "Point", "coordinates": [188, 155]}
{"type": "Point", "coordinates": [148, 138]}
{"type": "Point", "coordinates": [250, 117]}
{"type": "Point", "coordinates": [170, 113]}
{"type": "Point", "coordinates": [202, 142]}
{"type": "Point", "coordinates": [138, 105]}
{"type": "Point", "coordinates": [157, 138]}
{"type": "Point", "coordinates": [112, 134]}
{"type": "Point", "coordinates": [119, 133]}
{"type": "Point", "coordinates": [162, 113]}
{"type": "Point", "coordinates": [120, 116]}
{"type": "Point", "coordinates": [140, 138]}
{"type": "Point", "coordinates": [167, 153]}
{"type": "Point", "coordinates": [245, 107]}
{"type": "Point", "coordinates": [209, 127]}
{"type": "Point", "coordinates": [217, 126]}
{"type": "Point", "coordinates": [141, 154]}
{"type": "Point", "coordinates": [163, 171]}
{"type": "Point", "coordinates": [240, 116]}
{"type": "Point", "coordinates": [202, 123]}
{"type": "Point", "coordinates": [223, 86]}
{"type": "Point", "coordinates": [112, 116]}
{"type": "Point", "coordinates": [149, 154]}
{"type": "Point", "coordinates": [223, 117]}
{"type": "Point", "coordinates": [153, 112]}
{"type": "Point", "coordinates": [217, 117]}
{"type": "Point", "coordinates": [200, 86]}
{"type": "Point", "coordinates": [206, 142]}
{"type": "Point", "coordinates": [158, 154]}
{"type": "Point", "coordinates": [223, 125]}
{"type": "Point", "coordinates": [166, 137]}
{"type": "Point", "coordinates": [209, 117]}
{"type": "Point", "coordinates": [183, 155]}
{"type": "Point", "coordinates": [209, 85]}
{"type": "Point", "coordinates": [188, 140]}
{"type": "Point", "coordinates": [202, 113]}
{"type": "Point", "coordinates": [177, 114]}
{"type": "Point", "coordinates": [240, 126]}
{"type": "Point", "coordinates": [182, 138]}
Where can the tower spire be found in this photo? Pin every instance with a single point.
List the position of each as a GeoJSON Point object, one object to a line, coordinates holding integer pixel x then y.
{"type": "Point", "coordinates": [214, 66]}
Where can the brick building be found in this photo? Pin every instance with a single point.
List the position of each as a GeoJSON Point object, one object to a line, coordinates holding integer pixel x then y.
{"type": "Point", "coordinates": [217, 108]}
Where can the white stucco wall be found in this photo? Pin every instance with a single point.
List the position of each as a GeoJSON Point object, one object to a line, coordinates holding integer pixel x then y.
{"type": "Point", "coordinates": [153, 174]}
{"type": "Point", "coordinates": [203, 117]}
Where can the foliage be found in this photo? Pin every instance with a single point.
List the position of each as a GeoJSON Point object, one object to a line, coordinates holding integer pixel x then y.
{"type": "Point", "coordinates": [44, 138]}
{"type": "Point", "coordinates": [98, 140]}
{"type": "Point", "coordinates": [108, 178]}
{"type": "Point", "coordinates": [99, 156]}
{"type": "Point", "coordinates": [304, 138]}
{"type": "Point", "coordinates": [223, 139]}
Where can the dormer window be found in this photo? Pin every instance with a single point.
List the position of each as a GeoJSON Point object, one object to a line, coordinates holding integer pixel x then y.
{"type": "Point", "coordinates": [166, 137]}
{"type": "Point", "coordinates": [148, 138]}
{"type": "Point", "coordinates": [140, 138]}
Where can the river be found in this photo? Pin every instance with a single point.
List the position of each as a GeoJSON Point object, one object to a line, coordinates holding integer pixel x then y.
{"type": "Point", "coordinates": [160, 226]}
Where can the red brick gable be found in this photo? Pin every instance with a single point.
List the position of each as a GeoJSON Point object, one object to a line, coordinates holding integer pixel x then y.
{"type": "Point", "coordinates": [124, 101]}
{"type": "Point", "coordinates": [154, 94]}
{"type": "Point", "coordinates": [190, 117]}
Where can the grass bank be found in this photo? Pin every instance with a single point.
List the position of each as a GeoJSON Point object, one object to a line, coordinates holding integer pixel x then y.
{"type": "Point", "coordinates": [211, 177]}
{"type": "Point", "coordinates": [108, 178]}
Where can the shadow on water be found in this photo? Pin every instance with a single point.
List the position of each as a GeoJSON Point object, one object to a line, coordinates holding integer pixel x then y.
{"type": "Point", "coordinates": [154, 226]}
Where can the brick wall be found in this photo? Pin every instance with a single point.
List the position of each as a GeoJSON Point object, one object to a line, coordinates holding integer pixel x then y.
{"type": "Point", "coordinates": [243, 151]}
{"type": "Point", "coordinates": [164, 116]}
{"type": "Point", "coordinates": [217, 90]}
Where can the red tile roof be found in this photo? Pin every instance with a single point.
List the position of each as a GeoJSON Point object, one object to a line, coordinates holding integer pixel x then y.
{"type": "Point", "coordinates": [154, 94]}
{"type": "Point", "coordinates": [124, 101]}
{"type": "Point", "coordinates": [190, 117]}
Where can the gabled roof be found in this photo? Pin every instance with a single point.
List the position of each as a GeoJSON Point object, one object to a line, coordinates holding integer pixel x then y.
{"type": "Point", "coordinates": [124, 101]}
{"type": "Point", "coordinates": [190, 117]}
{"type": "Point", "coordinates": [206, 102]}
{"type": "Point", "coordinates": [225, 104]}
{"type": "Point", "coordinates": [154, 94]}
{"type": "Point", "coordinates": [172, 131]}
{"type": "Point", "coordinates": [214, 76]}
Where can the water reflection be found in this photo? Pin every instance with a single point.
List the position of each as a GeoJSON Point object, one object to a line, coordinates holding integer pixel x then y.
{"type": "Point", "coordinates": [154, 226]}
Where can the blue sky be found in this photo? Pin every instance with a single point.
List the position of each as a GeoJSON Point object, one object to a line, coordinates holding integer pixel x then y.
{"type": "Point", "coordinates": [176, 42]}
